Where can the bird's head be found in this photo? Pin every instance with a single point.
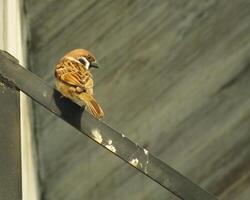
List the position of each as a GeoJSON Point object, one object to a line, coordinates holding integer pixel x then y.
{"type": "Point", "coordinates": [84, 57]}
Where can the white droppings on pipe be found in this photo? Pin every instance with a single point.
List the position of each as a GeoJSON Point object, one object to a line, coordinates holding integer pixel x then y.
{"type": "Point", "coordinates": [145, 151]}
{"type": "Point", "coordinates": [134, 162]}
{"type": "Point", "coordinates": [109, 142]}
{"type": "Point", "coordinates": [147, 161]}
{"type": "Point", "coordinates": [111, 148]}
{"type": "Point", "coordinates": [96, 135]}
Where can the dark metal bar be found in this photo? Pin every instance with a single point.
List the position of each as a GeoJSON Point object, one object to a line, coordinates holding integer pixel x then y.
{"type": "Point", "coordinates": [10, 148]}
{"type": "Point", "coordinates": [100, 132]}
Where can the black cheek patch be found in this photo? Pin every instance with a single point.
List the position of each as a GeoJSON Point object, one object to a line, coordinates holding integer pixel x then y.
{"type": "Point", "coordinates": [82, 61]}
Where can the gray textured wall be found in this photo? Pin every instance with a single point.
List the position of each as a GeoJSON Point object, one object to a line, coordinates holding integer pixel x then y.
{"type": "Point", "coordinates": [175, 78]}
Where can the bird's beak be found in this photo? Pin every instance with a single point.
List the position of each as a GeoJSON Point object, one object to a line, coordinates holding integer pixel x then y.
{"type": "Point", "coordinates": [94, 64]}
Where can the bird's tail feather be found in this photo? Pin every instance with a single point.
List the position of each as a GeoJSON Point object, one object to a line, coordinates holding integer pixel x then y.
{"type": "Point", "coordinates": [92, 105]}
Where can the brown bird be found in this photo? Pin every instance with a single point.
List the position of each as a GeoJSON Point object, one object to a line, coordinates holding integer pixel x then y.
{"type": "Point", "coordinates": [74, 80]}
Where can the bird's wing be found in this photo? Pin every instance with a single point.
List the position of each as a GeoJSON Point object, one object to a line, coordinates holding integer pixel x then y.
{"type": "Point", "coordinates": [73, 74]}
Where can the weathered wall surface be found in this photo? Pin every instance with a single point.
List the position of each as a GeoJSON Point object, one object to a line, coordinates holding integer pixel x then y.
{"type": "Point", "coordinates": [175, 78]}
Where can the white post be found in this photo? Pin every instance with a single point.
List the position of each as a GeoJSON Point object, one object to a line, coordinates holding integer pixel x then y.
{"type": "Point", "coordinates": [12, 40]}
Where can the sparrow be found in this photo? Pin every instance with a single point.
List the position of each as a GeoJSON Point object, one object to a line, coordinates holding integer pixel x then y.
{"type": "Point", "coordinates": [75, 81]}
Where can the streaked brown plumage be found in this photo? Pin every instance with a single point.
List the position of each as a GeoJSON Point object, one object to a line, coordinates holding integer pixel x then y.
{"type": "Point", "coordinates": [74, 80]}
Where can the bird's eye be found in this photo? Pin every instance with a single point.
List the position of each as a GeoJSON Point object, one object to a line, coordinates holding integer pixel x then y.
{"type": "Point", "coordinates": [89, 57]}
{"type": "Point", "coordinates": [82, 60]}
